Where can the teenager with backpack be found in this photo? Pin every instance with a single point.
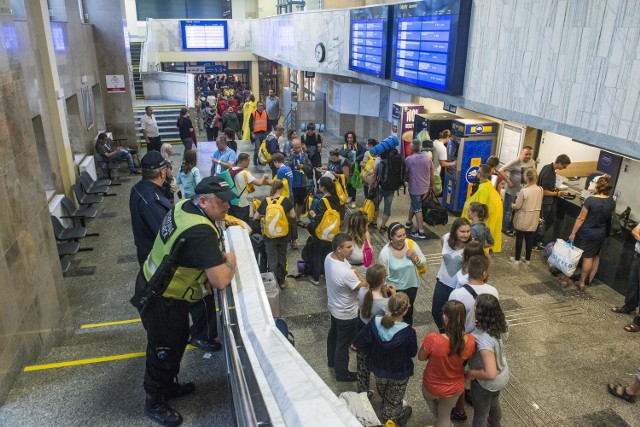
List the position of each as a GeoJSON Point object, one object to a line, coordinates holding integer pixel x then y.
{"type": "Point", "coordinates": [324, 225]}
{"type": "Point", "coordinates": [275, 212]}
{"type": "Point", "coordinates": [245, 184]}
{"type": "Point", "coordinates": [354, 153]}
{"type": "Point", "coordinates": [385, 181]}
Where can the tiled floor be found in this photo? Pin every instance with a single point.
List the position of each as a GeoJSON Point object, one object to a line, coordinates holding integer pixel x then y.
{"type": "Point", "coordinates": [563, 348]}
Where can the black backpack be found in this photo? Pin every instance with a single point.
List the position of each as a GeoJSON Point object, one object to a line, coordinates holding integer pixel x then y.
{"type": "Point", "coordinates": [391, 171]}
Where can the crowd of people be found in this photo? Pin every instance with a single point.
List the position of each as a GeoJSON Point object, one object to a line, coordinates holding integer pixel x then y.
{"type": "Point", "coordinates": [370, 296]}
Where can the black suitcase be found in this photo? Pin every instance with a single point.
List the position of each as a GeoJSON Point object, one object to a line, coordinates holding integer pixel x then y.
{"type": "Point", "coordinates": [433, 212]}
{"type": "Point", "coordinates": [260, 251]}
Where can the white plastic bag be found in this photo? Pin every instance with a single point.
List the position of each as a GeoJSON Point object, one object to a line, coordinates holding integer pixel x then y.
{"type": "Point", "coordinates": [565, 257]}
{"type": "Point", "coordinates": [360, 407]}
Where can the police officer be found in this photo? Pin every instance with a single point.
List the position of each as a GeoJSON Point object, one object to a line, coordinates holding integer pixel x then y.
{"type": "Point", "coordinates": [202, 266]}
{"type": "Point", "coordinates": [149, 204]}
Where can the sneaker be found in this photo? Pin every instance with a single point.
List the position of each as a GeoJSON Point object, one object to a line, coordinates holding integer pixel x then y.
{"type": "Point", "coordinates": [539, 248]}
{"type": "Point", "coordinates": [419, 235]}
{"type": "Point", "coordinates": [177, 390]}
{"type": "Point", "coordinates": [349, 377]}
{"type": "Point", "coordinates": [527, 262]}
{"type": "Point", "coordinates": [206, 345]}
{"type": "Point", "coordinates": [353, 205]}
{"type": "Point", "coordinates": [314, 282]}
{"type": "Point", "coordinates": [514, 261]}
{"type": "Point", "coordinates": [457, 417]}
{"type": "Point", "coordinates": [408, 225]}
{"type": "Point", "coordinates": [162, 413]}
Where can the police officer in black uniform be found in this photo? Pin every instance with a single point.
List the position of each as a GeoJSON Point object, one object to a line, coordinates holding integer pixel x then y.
{"type": "Point", "coordinates": [148, 205]}
{"type": "Point", "coordinates": [201, 266]}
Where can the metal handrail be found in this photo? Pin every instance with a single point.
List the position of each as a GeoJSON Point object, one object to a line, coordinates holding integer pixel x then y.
{"type": "Point", "coordinates": [241, 397]}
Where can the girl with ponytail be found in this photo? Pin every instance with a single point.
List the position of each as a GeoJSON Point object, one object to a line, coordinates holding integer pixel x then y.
{"type": "Point", "coordinates": [390, 345]}
{"type": "Point", "coordinates": [373, 301]}
{"type": "Point", "coordinates": [443, 379]}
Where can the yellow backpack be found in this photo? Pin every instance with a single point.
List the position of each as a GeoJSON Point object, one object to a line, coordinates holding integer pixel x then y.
{"type": "Point", "coordinates": [275, 222]}
{"type": "Point", "coordinates": [285, 189]}
{"type": "Point", "coordinates": [250, 187]}
{"type": "Point", "coordinates": [341, 189]}
{"type": "Point", "coordinates": [329, 225]}
{"type": "Point", "coordinates": [367, 170]}
{"type": "Point", "coordinates": [255, 203]}
{"type": "Point", "coordinates": [369, 208]}
{"type": "Point", "coordinates": [264, 156]}
{"type": "Point", "coordinates": [422, 269]}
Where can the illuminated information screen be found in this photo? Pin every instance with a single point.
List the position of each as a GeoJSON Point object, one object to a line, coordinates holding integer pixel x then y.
{"type": "Point", "coordinates": [368, 44]}
{"type": "Point", "coordinates": [430, 40]}
{"type": "Point", "coordinates": [204, 35]}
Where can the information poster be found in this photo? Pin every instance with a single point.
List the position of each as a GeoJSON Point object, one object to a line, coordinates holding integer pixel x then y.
{"type": "Point", "coordinates": [115, 83]}
{"type": "Point", "coordinates": [368, 42]}
{"type": "Point", "coordinates": [510, 142]}
{"type": "Point", "coordinates": [431, 44]}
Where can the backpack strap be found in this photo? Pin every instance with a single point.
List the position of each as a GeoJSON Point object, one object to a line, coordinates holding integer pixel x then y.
{"type": "Point", "coordinates": [471, 291]}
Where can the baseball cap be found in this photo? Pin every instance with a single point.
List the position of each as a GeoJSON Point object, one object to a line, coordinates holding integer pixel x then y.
{"type": "Point", "coordinates": [218, 186]}
{"type": "Point", "coordinates": [153, 160]}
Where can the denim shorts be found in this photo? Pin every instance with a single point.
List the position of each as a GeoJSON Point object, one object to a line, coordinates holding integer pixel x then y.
{"type": "Point", "coordinates": [388, 200]}
{"type": "Point", "coordinates": [416, 203]}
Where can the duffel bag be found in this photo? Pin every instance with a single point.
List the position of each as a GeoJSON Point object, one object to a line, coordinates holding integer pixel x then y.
{"type": "Point", "coordinates": [433, 212]}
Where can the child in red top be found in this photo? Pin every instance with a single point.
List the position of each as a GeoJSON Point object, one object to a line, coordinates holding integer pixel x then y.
{"type": "Point", "coordinates": [443, 379]}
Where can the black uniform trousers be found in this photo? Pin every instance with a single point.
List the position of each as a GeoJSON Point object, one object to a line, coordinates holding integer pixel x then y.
{"type": "Point", "coordinates": [166, 321]}
{"type": "Point", "coordinates": [204, 319]}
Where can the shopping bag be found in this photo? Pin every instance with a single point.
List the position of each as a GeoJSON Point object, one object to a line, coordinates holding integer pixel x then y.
{"type": "Point", "coordinates": [355, 179]}
{"type": "Point", "coordinates": [565, 257]}
{"type": "Point", "coordinates": [369, 208]}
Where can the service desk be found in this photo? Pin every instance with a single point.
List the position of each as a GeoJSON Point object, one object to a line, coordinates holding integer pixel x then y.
{"type": "Point", "coordinates": [617, 251]}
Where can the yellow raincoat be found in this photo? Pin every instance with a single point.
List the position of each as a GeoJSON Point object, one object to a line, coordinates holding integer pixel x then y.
{"type": "Point", "coordinates": [489, 196]}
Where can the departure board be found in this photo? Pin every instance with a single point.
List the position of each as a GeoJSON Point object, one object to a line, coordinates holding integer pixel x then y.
{"type": "Point", "coordinates": [210, 35]}
{"type": "Point", "coordinates": [368, 43]}
{"type": "Point", "coordinates": [430, 39]}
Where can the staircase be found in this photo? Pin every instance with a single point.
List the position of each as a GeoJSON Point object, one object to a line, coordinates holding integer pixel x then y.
{"type": "Point", "coordinates": [166, 116]}
{"type": "Point", "coordinates": [135, 48]}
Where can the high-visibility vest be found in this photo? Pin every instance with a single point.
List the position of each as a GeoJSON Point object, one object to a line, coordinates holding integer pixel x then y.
{"type": "Point", "coordinates": [186, 283]}
{"type": "Point", "coordinates": [260, 121]}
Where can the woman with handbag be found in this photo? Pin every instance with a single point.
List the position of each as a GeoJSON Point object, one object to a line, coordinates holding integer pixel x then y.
{"type": "Point", "coordinates": [403, 260]}
{"type": "Point", "coordinates": [591, 227]}
{"type": "Point", "coordinates": [362, 255]}
{"type": "Point", "coordinates": [526, 216]}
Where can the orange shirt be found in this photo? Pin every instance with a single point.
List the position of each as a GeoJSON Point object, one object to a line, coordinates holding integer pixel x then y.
{"type": "Point", "coordinates": [444, 374]}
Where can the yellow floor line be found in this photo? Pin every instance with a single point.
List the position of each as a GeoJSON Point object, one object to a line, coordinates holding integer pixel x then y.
{"type": "Point", "coordinates": [88, 361]}
{"type": "Point", "coordinates": [122, 322]}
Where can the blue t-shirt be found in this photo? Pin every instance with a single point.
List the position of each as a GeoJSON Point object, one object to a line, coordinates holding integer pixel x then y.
{"type": "Point", "coordinates": [227, 156]}
{"type": "Point", "coordinates": [284, 172]}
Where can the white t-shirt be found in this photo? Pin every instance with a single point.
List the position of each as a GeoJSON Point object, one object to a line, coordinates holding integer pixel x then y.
{"type": "Point", "coordinates": [150, 125]}
{"type": "Point", "coordinates": [451, 263]}
{"type": "Point", "coordinates": [484, 341]}
{"type": "Point", "coordinates": [342, 296]}
{"type": "Point", "coordinates": [240, 182]}
{"type": "Point", "coordinates": [463, 295]}
{"type": "Point", "coordinates": [439, 153]}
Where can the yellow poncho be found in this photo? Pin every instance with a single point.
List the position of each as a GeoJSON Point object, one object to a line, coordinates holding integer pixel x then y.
{"type": "Point", "coordinates": [489, 196]}
{"type": "Point", "coordinates": [247, 110]}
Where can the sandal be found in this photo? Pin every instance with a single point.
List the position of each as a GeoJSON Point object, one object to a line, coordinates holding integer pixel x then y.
{"type": "Point", "coordinates": [566, 283]}
{"type": "Point", "coordinates": [621, 310]}
{"type": "Point", "coordinates": [620, 391]}
{"type": "Point", "coordinates": [373, 225]}
{"type": "Point", "coordinates": [581, 286]}
{"type": "Point", "coordinates": [632, 327]}
{"type": "Point", "coordinates": [302, 224]}
{"type": "Point", "coordinates": [510, 233]}
{"type": "Point", "coordinates": [383, 229]}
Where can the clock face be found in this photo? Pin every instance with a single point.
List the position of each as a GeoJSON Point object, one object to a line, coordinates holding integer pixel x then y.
{"type": "Point", "coordinates": [319, 52]}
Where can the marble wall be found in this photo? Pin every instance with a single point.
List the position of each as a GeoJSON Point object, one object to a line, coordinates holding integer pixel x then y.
{"type": "Point", "coordinates": [564, 66]}
{"type": "Point", "coordinates": [35, 312]}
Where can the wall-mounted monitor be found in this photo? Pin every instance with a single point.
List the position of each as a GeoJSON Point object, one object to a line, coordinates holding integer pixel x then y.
{"type": "Point", "coordinates": [430, 43]}
{"type": "Point", "coordinates": [368, 41]}
{"type": "Point", "coordinates": [211, 35]}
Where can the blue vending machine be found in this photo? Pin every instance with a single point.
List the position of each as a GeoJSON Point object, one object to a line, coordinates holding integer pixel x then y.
{"type": "Point", "coordinates": [470, 146]}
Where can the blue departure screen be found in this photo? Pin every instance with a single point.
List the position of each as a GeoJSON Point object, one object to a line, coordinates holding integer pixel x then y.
{"type": "Point", "coordinates": [211, 35]}
{"type": "Point", "coordinates": [368, 46]}
{"type": "Point", "coordinates": [430, 41]}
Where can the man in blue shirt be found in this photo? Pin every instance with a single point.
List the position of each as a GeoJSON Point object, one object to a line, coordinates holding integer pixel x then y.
{"type": "Point", "coordinates": [224, 158]}
{"type": "Point", "coordinates": [273, 146]}
{"type": "Point", "coordinates": [301, 167]}
{"type": "Point", "coordinates": [284, 173]}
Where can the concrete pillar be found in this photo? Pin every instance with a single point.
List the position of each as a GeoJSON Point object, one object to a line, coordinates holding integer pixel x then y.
{"type": "Point", "coordinates": [54, 97]}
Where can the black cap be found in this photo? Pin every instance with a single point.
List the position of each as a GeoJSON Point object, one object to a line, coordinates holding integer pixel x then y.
{"type": "Point", "coordinates": [153, 160]}
{"type": "Point", "coordinates": [218, 186]}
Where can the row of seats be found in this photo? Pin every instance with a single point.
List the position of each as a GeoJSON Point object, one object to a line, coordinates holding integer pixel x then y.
{"type": "Point", "coordinates": [88, 193]}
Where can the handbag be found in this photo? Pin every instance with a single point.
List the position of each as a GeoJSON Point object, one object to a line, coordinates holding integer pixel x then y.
{"type": "Point", "coordinates": [565, 257]}
{"type": "Point", "coordinates": [367, 254]}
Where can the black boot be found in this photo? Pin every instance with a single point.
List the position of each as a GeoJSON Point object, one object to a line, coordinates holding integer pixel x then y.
{"type": "Point", "coordinates": [178, 389]}
{"type": "Point", "coordinates": [158, 410]}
